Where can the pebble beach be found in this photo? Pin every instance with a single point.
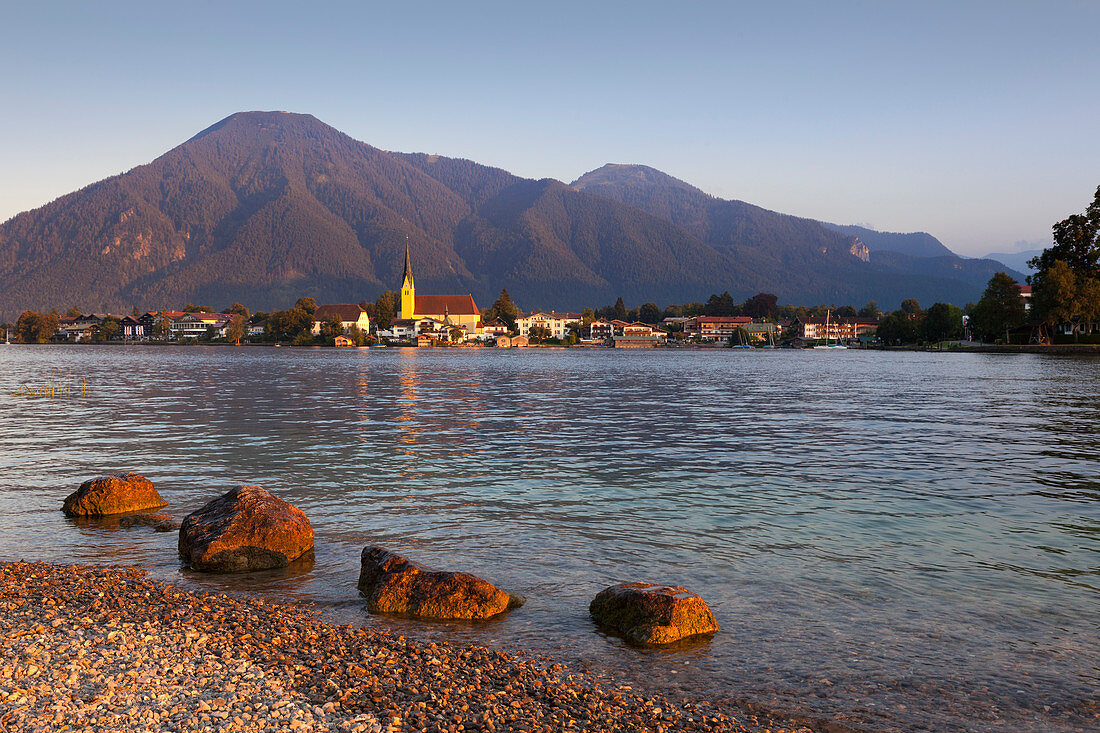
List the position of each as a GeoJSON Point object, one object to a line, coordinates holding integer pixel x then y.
{"type": "Point", "coordinates": [108, 649]}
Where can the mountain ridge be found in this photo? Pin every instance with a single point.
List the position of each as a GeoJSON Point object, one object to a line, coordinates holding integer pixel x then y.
{"type": "Point", "coordinates": [263, 207]}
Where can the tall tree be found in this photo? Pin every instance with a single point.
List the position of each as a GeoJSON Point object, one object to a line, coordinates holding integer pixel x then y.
{"type": "Point", "coordinates": [1000, 308]}
{"type": "Point", "coordinates": [1076, 242]}
{"type": "Point", "coordinates": [649, 313]}
{"type": "Point", "coordinates": [761, 305]}
{"type": "Point", "coordinates": [237, 327]}
{"type": "Point", "coordinates": [385, 310]}
{"type": "Point", "coordinates": [941, 322]}
{"type": "Point", "coordinates": [870, 310]}
{"type": "Point", "coordinates": [237, 309]}
{"type": "Point", "coordinates": [911, 307]}
{"type": "Point", "coordinates": [618, 311]}
{"type": "Point", "coordinates": [504, 309]}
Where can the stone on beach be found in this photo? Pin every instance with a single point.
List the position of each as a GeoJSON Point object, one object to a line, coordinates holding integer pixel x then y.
{"type": "Point", "coordinates": [394, 584]}
{"type": "Point", "coordinates": [113, 495]}
{"type": "Point", "coordinates": [653, 614]}
{"type": "Point", "coordinates": [246, 529]}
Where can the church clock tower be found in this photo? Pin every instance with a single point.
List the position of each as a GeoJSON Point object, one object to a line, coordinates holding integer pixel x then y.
{"type": "Point", "coordinates": [408, 290]}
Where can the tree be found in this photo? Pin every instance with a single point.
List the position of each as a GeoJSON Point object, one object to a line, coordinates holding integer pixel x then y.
{"type": "Point", "coordinates": [135, 312]}
{"type": "Point", "coordinates": [896, 329]}
{"type": "Point", "coordinates": [289, 325]}
{"type": "Point", "coordinates": [911, 307]}
{"type": "Point", "coordinates": [941, 322]}
{"type": "Point", "coordinates": [1063, 296]}
{"type": "Point", "coordinates": [385, 310]}
{"type": "Point", "coordinates": [331, 327]}
{"type": "Point", "coordinates": [456, 334]}
{"type": "Point", "coordinates": [162, 327]}
{"type": "Point", "coordinates": [538, 334]}
{"type": "Point", "coordinates": [356, 335]}
{"type": "Point", "coordinates": [36, 328]}
{"type": "Point", "coordinates": [308, 304]}
{"type": "Point", "coordinates": [238, 309]}
{"type": "Point", "coordinates": [761, 305]}
{"type": "Point", "coordinates": [73, 312]}
{"type": "Point", "coordinates": [870, 310]}
{"type": "Point", "coordinates": [192, 308]}
{"type": "Point", "coordinates": [618, 311]}
{"type": "Point", "coordinates": [720, 305]}
{"type": "Point", "coordinates": [846, 311]}
{"type": "Point", "coordinates": [1000, 308]}
{"type": "Point", "coordinates": [504, 309]}
{"type": "Point", "coordinates": [108, 329]}
{"type": "Point", "coordinates": [237, 328]}
{"type": "Point", "coordinates": [649, 313]}
{"type": "Point", "coordinates": [1076, 242]}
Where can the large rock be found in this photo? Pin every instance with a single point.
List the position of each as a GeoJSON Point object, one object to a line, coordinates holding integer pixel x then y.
{"type": "Point", "coordinates": [652, 614]}
{"type": "Point", "coordinates": [393, 584]}
{"type": "Point", "coordinates": [113, 495]}
{"type": "Point", "coordinates": [247, 529]}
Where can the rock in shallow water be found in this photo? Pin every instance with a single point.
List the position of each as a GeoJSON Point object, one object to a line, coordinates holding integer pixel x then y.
{"type": "Point", "coordinates": [393, 584]}
{"type": "Point", "coordinates": [246, 529]}
{"type": "Point", "coordinates": [113, 495]}
{"type": "Point", "coordinates": [653, 614]}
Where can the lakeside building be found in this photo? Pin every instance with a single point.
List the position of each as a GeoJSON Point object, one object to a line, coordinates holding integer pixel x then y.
{"type": "Point", "coordinates": [556, 323]}
{"type": "Point", "coordinates": [194, 325]}
{"type": "Point", "coordinates": [714, 328]}
{"type": "Point", "coordinates": [842, 328]}
{"type": "Point", "coordinates": [349, 314]}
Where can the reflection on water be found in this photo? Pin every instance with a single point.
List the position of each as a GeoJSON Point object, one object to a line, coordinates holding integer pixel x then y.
{"type": "Point", "coordinates": [904, 540]}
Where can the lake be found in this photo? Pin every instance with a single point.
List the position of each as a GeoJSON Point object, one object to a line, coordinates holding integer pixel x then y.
{"type": "Point", "coordinates": [906, 541]}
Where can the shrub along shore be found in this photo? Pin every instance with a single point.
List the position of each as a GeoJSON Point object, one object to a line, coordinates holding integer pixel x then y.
{"type": "Point", "coordinates": [108, 649]}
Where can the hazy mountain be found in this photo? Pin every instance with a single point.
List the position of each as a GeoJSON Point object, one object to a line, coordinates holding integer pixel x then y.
{"type": "Point", "coordinates": [1016, 260]}
{"type": "Point", "coordinates": [266, 206]}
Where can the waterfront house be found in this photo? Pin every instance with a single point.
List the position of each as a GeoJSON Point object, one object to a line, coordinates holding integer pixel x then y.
{"type": "Point", "coordinates": [814, 328]}
{"type": "Point", "coordinates": [715, 328]}
{"type": "Point", "coordinates": [196, 325]}
{"type": "Point", "coordinates": [599, 330]}
{"type": "Point", "coordinates": [343, 341]}
{"type": "Point", "coordinates": [349, 314]}
{"type": "Point", "coordinates": [556, 323]}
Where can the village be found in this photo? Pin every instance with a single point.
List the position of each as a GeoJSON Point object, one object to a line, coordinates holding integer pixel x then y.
{"type": "Point", "coordinates": [438, 320]}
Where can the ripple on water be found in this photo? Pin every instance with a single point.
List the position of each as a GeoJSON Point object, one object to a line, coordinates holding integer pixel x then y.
{"type": "Point", "coordinates": [908, 540]}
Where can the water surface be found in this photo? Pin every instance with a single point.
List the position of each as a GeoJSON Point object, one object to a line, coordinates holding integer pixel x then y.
{"type": "Point", "coordinates": [907, 541]}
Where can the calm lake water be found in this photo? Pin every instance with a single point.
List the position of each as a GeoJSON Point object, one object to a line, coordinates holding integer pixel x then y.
{"type": "Point", "coordinates": [906, 541]}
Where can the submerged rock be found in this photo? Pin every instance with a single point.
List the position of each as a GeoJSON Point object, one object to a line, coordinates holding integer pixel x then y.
{"type": "Point", "coordinates": [653, 614]}
{"type": "Point", "coordinates": [246, 529]}
{"type": "Point", "coordinates": [393, 584]}
{"type": "Point", "coordinates": [113, 495]}
{"type": "Point", "coordinates": [159, 522]}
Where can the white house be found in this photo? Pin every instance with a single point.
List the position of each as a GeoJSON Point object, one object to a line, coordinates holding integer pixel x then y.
{"type": "Point", "coordinates": [349, 315]}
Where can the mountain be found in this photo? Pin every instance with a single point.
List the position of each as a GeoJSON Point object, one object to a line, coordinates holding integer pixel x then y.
{"type": "Point", "coordinates": [1016, 260]}
{"type": "Point", "coordinates": [264, 207]}
{"type": "Point", "coordinates": [806, 260]}
{"type": "Point", "coordinates": [915, 244]}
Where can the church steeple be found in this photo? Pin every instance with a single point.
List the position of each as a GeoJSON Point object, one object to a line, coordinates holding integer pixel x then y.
{"type": "Point", "coordinates": [408, 290]}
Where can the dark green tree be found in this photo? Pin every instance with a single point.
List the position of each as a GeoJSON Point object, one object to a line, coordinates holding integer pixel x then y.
{"type": "Point", "coordinates": [618, 311]}
{"type": "Point", "coordinates": [36, 328]}
{"type": "Point", "coordinates": [649, 313]}
{"type": "Point", "coordinates": [108, 329]}
{"type": "Point", "coordinates": [1000, 309]}
{"type": "Point", "coordinates": [870, 310]}
{"type": "Point", "coordinates": [192, 308]}
{"type": "Point", "coordinates": [761, 305]}
{"type": "Point", "coordinates": [941, 322]}
{"type": "Point", "coordinates": [1076, 242]}
{"type": "Point", "coordinates": [237, 309]}
{"type": "Point", "coordinates": [911, 307]}
{"type": "Point", "coordinates": [720, 305]}
{"type": "Point", "coordinates": [331, 327]}
{"type": "Point", "coordinates": [385, 310]}
{"type": "Point", "coordinates": [504, 309]}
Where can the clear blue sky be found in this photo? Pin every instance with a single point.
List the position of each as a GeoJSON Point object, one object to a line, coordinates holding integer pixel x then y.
{"type": "Point", "coordinates": [976, 121]}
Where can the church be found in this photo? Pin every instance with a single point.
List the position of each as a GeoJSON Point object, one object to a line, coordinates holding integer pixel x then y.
{"type": "Point", "coordinates": [447, 310]}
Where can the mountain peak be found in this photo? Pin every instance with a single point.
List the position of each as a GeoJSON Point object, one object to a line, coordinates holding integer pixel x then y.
{"type": "Point", "coordinates": [629, 174]}
{"type": "Point", "coordinates": [262, 119]}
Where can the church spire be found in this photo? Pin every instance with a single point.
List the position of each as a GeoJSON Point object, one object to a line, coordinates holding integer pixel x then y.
{"type": "Point", "coordinates": [408, 290]}
{"type": "Point", "coordinates": [408, 279]}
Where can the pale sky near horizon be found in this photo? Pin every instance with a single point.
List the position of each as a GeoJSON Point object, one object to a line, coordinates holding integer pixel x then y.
{"type": "Point", "coordinates": [975, 121]}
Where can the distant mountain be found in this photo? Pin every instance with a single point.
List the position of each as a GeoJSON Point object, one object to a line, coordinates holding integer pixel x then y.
{"type": "Point", "coordinates": [1016, 260]}
{"type": "Point", "coordinates": [915, 244]}
{"type": "Point", "coordinates": [264, 207]}
{"type": "Point", "coordinates": [812, 260]}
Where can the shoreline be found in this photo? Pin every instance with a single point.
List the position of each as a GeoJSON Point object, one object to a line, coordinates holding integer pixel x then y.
{"type": "Point", "coordinates": [108, 648]}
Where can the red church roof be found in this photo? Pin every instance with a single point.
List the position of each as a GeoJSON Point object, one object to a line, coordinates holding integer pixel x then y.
{"type": "Point", "coordinates": [455, 305]}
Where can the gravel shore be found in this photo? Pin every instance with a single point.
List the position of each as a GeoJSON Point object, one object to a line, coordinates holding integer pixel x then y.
{"type": "Point", "coordinates": [107, 649]}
